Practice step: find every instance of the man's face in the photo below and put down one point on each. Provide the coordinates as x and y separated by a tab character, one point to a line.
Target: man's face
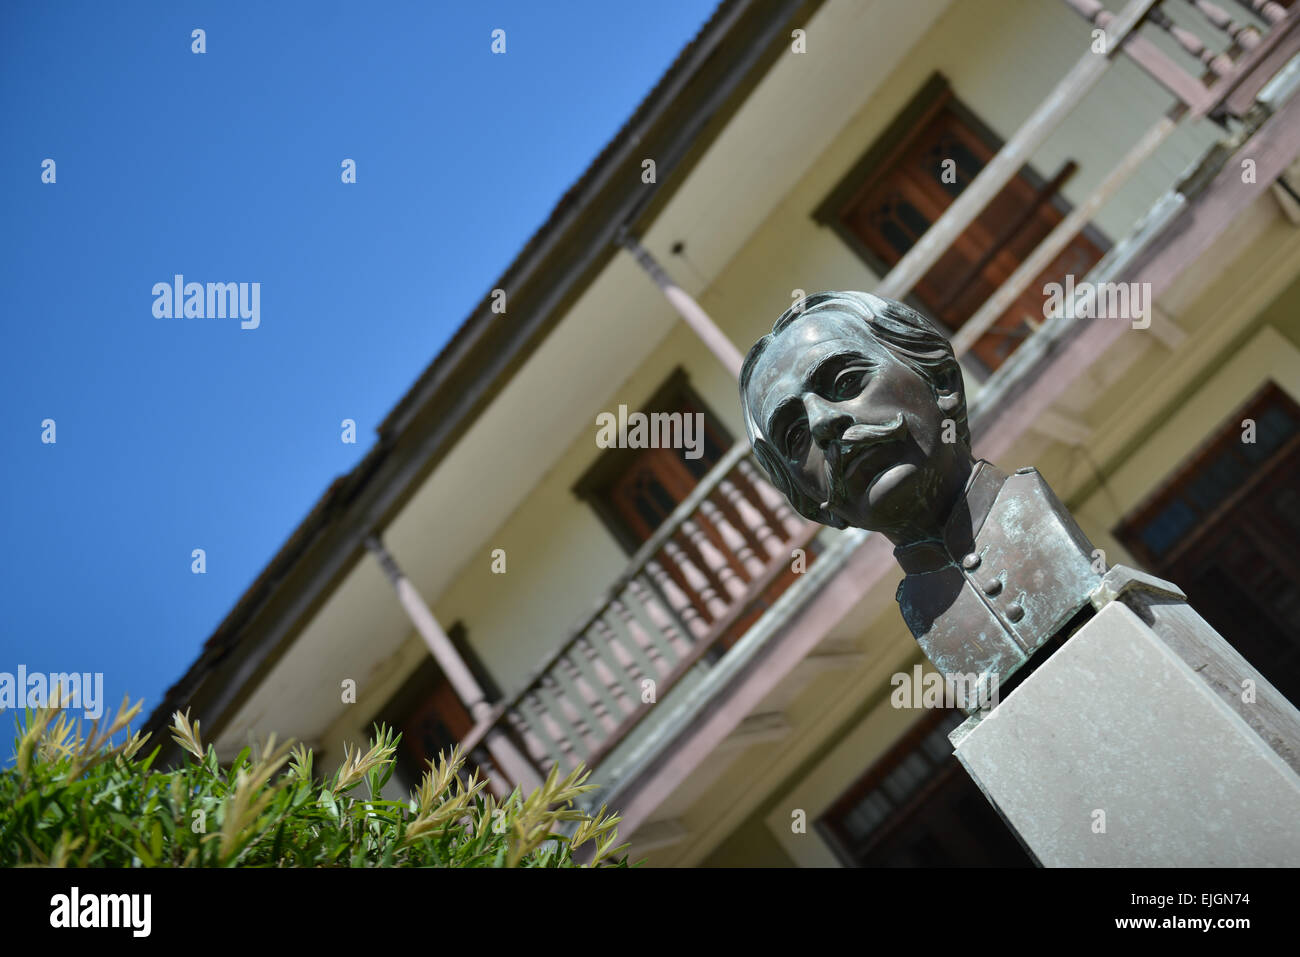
855	426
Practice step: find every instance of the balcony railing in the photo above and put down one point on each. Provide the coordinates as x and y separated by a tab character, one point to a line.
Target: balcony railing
683	595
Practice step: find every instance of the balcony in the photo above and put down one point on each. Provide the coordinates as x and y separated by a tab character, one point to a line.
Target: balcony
724	554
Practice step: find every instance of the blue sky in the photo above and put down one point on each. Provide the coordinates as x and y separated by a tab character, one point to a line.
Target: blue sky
224	166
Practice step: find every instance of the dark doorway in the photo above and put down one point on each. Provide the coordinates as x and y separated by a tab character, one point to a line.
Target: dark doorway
1223	528
917	807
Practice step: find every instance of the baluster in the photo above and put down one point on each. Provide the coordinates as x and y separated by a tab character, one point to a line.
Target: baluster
621	637
638	636
515	734
546	724
678	600
723	500
752	518
737	543
480	761
1216	63
1264	9
517	730
601	679
564	715
1091	10
618	659
534	720
541	748
1244	35
696	579
578	689
638	622
661	616
715	562
774	501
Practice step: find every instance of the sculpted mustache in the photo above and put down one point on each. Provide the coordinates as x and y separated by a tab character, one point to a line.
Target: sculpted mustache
856	435
866	434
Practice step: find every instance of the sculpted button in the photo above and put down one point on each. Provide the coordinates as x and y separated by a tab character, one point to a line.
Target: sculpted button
970	562
1015	612
992	586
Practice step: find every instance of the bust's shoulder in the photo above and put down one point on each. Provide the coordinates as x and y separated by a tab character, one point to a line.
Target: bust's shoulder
1025	480
1025	489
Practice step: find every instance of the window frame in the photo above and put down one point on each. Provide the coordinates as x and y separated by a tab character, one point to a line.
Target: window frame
610	464
1128	531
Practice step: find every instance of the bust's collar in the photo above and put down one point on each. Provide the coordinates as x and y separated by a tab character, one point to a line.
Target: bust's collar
963	524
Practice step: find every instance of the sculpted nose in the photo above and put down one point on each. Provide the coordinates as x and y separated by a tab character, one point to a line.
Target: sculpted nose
825	422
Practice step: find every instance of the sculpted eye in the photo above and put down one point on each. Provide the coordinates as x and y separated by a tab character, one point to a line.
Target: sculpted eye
796	439
849	383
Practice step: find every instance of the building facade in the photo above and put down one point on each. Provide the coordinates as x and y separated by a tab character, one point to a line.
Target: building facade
1099	203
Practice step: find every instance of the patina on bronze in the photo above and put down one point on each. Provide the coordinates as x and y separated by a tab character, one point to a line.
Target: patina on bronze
855	408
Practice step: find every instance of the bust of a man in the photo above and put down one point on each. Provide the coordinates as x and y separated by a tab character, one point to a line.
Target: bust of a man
855	408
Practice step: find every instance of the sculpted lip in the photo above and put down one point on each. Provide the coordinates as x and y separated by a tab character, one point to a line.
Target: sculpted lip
876	452
861	444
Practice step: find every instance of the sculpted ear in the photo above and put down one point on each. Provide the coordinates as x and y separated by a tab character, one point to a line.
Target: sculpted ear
948	387
826	517
774	467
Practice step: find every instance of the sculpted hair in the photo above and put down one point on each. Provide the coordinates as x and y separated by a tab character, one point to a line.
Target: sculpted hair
911	338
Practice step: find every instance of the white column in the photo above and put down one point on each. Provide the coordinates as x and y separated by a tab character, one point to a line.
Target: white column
462	680
714	339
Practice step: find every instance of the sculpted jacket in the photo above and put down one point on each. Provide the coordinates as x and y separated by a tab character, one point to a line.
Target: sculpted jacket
1013	568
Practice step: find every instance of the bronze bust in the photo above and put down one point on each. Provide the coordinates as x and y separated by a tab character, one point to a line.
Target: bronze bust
855	408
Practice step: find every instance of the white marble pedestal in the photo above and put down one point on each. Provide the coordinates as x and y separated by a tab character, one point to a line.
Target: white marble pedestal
1146	740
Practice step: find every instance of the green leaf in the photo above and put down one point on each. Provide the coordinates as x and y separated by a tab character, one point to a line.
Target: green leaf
156	840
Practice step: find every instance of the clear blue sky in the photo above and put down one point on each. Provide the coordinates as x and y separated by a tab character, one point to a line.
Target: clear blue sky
181	434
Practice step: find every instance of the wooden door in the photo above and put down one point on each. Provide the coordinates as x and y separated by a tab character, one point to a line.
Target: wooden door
1242	576
654	485
1223	528
435	725
917	807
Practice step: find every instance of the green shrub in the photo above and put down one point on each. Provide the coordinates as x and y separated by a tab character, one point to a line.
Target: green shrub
69	800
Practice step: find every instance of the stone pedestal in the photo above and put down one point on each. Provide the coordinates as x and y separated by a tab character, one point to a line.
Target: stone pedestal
1146	740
